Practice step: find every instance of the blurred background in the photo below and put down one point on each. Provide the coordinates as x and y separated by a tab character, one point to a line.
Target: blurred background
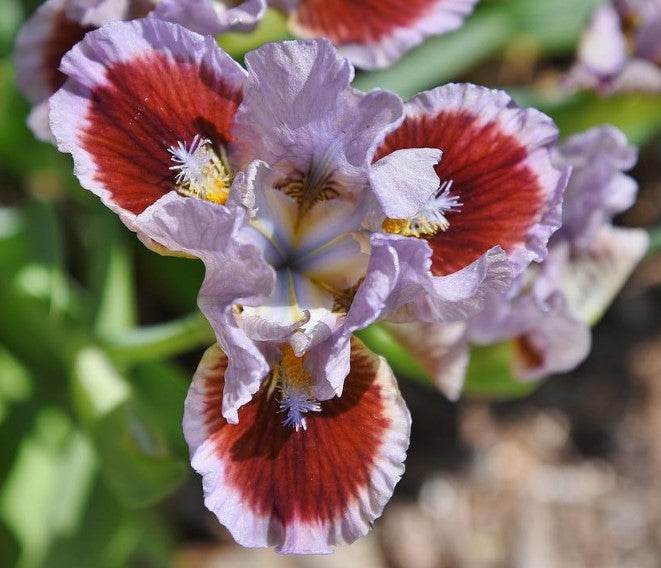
99	338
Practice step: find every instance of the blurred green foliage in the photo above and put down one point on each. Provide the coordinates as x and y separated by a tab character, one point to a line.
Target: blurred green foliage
90	399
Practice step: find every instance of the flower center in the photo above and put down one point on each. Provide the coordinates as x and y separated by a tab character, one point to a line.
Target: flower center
294	384
431	218
319	256
200	171
316	185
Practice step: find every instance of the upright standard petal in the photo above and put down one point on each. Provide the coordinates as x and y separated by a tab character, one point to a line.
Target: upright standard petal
375	33
134	140
300	113
301	116
304	489
620	49
498	185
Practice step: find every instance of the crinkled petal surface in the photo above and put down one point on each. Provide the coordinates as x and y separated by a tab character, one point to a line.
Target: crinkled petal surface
497	157
300	113
405	180
136	89
301	491
235	273
375	33
212	17
420	296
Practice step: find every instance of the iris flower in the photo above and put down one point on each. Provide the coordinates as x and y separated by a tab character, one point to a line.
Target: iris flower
317	210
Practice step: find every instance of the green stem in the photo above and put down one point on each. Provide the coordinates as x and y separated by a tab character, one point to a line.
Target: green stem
161	341
402	362
655	241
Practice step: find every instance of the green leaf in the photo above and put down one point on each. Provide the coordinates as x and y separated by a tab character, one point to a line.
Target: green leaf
111	274
179	290
15	381
489	374
161	341
135	459
97	387
9	548
540	27
46	276
160	390
553	25
20	153
110	536
13	241
43	343
655	241
12	16
134	426
117	308
48	485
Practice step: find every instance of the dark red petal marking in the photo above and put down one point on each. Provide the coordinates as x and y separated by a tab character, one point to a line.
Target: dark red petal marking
501	196
360	21
309	476
148	105
65	33
528	355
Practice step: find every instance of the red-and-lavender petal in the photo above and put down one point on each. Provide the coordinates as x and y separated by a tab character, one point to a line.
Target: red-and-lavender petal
135	91
496	156
374	33
42	41
305	490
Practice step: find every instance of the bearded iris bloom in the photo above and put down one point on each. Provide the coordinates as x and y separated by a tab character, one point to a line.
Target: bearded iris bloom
314	216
